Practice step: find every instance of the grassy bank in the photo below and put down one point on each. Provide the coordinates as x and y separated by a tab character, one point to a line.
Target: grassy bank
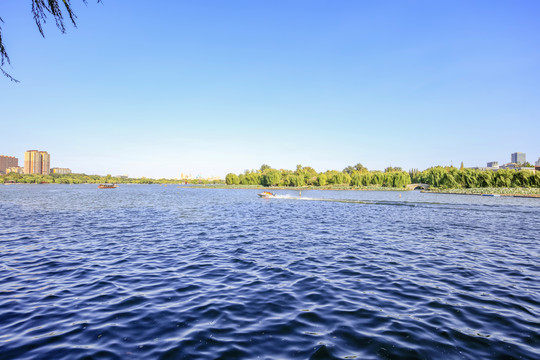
503	191
510	191
298	188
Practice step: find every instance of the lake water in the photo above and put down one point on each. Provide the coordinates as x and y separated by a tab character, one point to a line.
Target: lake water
149	271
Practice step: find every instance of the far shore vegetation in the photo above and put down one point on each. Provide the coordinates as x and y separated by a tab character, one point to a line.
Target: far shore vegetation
440	179
514	191
91	179
391	178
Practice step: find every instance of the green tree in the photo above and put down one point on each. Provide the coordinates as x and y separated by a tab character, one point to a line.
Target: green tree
346	179
434	176
360	167
535	179
522	178
296	180
356	179
485	179
449	181
390	169
321	179
232	179
413	173
272	177
253	178
351	169
503	178
377	178
469	178
310	175
337	178
401	179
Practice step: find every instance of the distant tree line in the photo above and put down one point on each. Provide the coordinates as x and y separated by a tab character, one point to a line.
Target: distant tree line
392	177
352	176
452	178
355	176
90	179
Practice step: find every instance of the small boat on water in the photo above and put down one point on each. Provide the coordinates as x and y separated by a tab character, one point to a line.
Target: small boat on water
107	186
267	195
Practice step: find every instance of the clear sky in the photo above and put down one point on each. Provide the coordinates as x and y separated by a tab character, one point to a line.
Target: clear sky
160	88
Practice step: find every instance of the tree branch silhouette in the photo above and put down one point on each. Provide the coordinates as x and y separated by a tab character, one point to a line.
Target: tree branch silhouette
40	10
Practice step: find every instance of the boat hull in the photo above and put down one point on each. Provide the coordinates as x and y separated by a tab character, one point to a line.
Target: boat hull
107	186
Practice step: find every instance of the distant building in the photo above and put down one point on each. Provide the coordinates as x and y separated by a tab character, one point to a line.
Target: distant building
15	169
513	166
517	158
493	165
537	164
32	162
7	162
60	171
484	168
37	162
509	166
45	162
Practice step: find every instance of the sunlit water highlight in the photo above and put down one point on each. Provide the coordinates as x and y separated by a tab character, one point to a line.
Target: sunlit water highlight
174	272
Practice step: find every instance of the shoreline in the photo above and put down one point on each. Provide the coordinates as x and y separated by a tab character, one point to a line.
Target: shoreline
473	192
298	188
505	191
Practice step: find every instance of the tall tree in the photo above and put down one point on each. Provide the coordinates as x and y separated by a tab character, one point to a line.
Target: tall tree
40	10
360	167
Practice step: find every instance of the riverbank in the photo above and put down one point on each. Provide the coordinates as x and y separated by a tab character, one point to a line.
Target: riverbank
299	188
508	191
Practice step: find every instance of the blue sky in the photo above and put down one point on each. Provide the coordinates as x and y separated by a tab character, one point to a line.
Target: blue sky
160	88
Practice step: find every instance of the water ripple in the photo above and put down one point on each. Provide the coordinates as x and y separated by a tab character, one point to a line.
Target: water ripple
172	273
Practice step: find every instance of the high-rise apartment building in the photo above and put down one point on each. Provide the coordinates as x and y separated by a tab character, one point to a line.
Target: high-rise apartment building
32	162
7	162
37	162
45	162
517	158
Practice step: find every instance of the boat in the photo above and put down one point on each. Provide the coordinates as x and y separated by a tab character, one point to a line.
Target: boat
267	195
107	186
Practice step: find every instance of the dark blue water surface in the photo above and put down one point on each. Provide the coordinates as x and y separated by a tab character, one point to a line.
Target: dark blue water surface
149	271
